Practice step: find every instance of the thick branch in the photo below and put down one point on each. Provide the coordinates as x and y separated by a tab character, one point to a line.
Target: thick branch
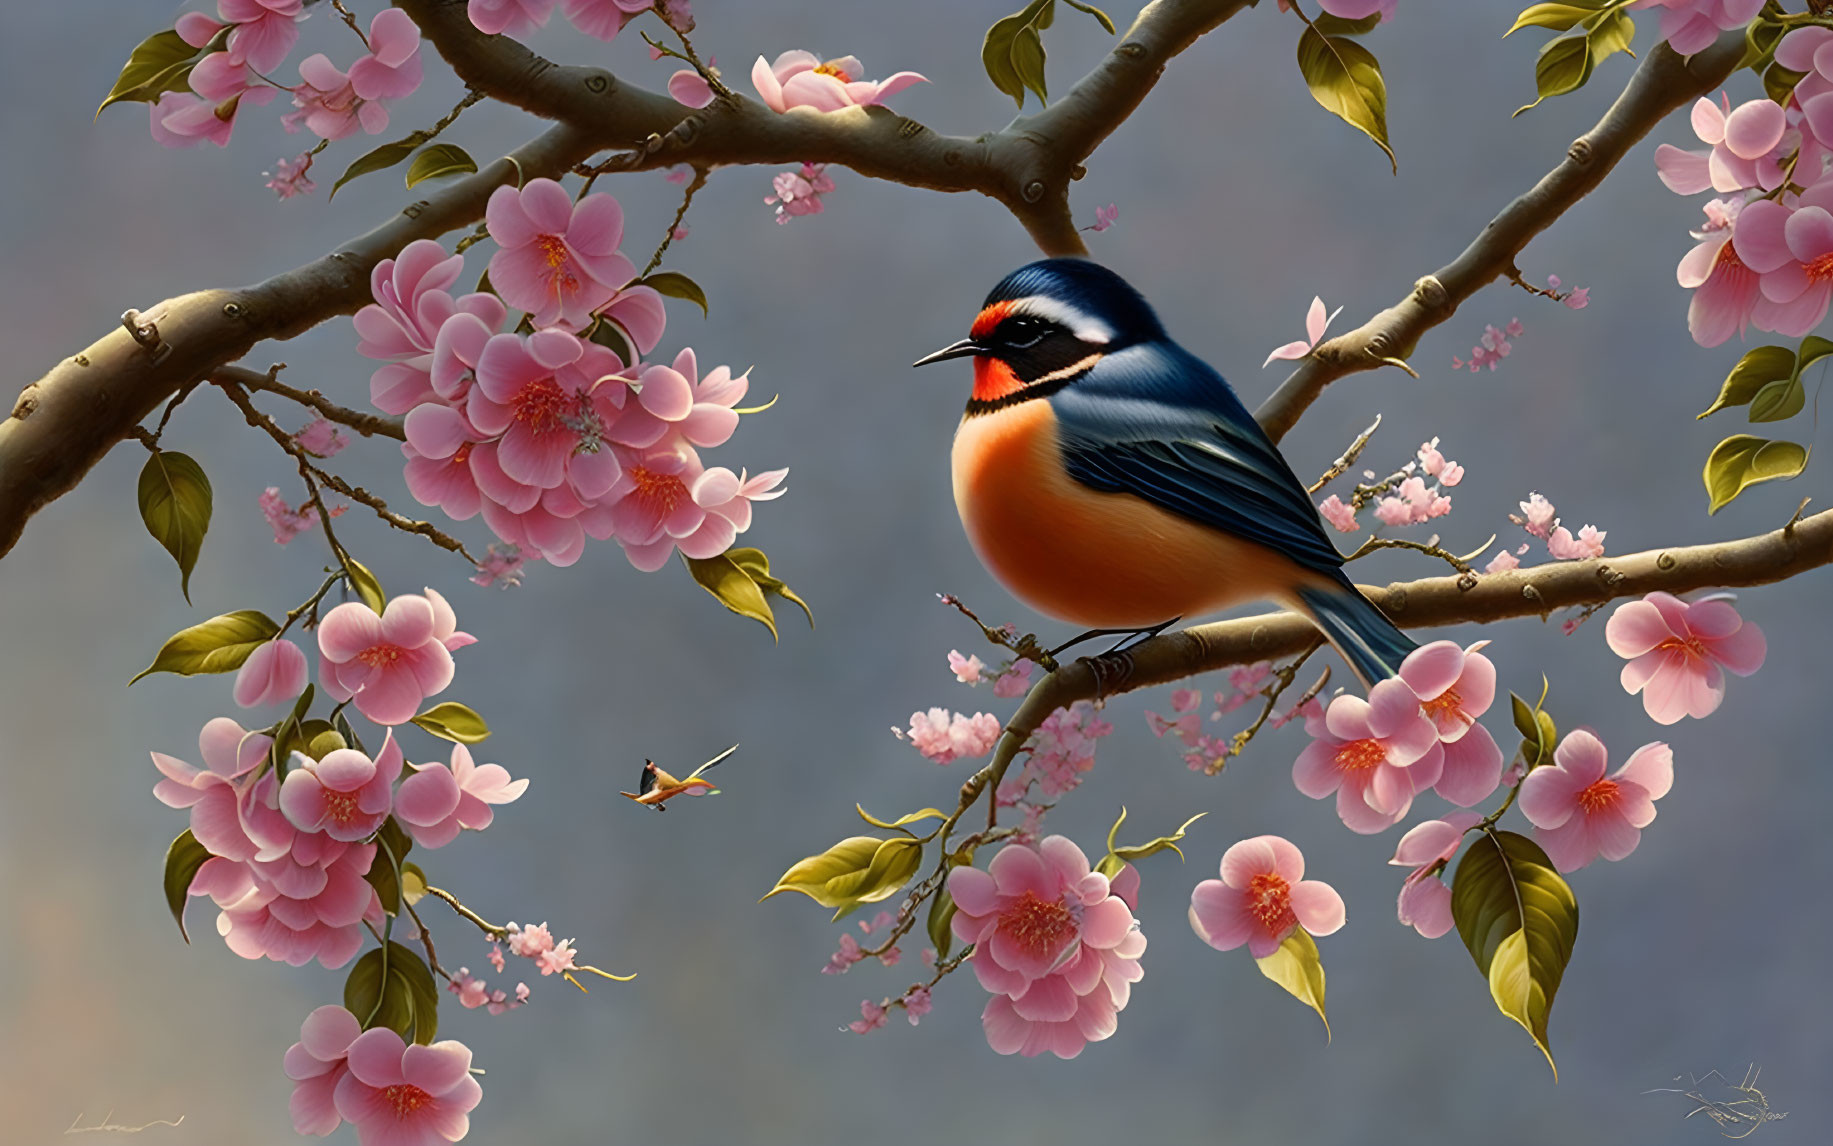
1536	591
1663	82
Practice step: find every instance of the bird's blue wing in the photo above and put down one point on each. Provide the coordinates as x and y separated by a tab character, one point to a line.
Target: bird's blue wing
1158	423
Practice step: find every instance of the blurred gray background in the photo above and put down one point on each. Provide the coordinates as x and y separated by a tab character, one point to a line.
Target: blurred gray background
1239	199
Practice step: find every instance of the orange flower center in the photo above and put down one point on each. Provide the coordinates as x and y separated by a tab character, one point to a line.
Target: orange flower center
380	656
404	1098
1040	927
658	492
552	248
1447	703
340	806
543	406
832	68
1820	267
461	454
1598	796
1269	900
1359	756
1690	647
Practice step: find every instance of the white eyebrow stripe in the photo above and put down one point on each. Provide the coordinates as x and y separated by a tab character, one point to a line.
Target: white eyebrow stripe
1083	325
1070	371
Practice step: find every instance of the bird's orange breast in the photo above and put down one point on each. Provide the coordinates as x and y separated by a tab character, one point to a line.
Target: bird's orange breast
1100	560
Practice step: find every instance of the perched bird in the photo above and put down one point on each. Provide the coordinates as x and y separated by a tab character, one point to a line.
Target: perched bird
657	787
1111	479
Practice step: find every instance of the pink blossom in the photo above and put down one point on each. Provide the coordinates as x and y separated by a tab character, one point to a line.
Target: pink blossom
316	1065
665	500
1588	543
1677	652
287	522
1303	710
1425	901
1455	686
1358	9
321	438
397	1095
967	670
496	957
509	17
1726	291
1536	516
180	119
197	29
264	30
313	907
799	192
1742	148
604	19
872	1018
1062	750
1412	503
1105	217
403	326
389	664
801	79
333	104
1056	948
944	739
530	942
677	14
848	954
346	795
437	800
1338	514
1375	754
502	567
1502	562
1262	898
289	176
674	404
917	1004
274	672
1316	323
542	395
217	793
558	959
689	89
1577	299
1791	250
1014	681
1579	814
1690	26
558	260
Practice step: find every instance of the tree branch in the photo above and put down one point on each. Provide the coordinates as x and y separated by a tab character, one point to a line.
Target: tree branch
364	424
1663	82
1761	560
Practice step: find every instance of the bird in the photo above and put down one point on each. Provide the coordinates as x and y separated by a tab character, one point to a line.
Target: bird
1109	478
656	787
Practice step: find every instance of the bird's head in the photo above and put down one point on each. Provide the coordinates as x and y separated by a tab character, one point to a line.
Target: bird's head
1046	325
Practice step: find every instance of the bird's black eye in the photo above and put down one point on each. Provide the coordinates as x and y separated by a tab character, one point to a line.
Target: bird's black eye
1023	332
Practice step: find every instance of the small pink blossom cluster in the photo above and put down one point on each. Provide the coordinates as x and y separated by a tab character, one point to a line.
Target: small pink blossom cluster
536	942
799	192
501	566
1412	503
945	738
1059	754
321	438
290	178
1540	519
391	1092
287	522
1415	731
1762	251
602	19
551	436
1012	679
1262	898
261	33
474	993
1202	752
1105	217
333	103
1690	26
1054	945
1492	348
850	952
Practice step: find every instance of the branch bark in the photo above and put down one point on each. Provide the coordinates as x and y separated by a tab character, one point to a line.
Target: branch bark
1663	82
1761	560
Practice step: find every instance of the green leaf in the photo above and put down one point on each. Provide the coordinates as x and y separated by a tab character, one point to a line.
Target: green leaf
941	915
1610	35
318	739
1564	66
175	504
1098	14
1297	967
182	860
394	845
1331	25
1539	735
912	818
160	63
1760	366
1345	79
757	567
1028	61
732	587
610	335
413	883
999	52
1779	83
391	987
454	721
440	160
674	284
220	644
1778	400
1153	847
1519	920
1760	39
364	584
857	870
380	159
1742	461
1559	17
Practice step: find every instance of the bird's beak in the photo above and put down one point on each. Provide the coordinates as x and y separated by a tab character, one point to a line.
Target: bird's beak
963	349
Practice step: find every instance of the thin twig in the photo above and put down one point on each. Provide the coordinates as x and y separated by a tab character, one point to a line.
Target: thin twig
668	236
365	424
1341	466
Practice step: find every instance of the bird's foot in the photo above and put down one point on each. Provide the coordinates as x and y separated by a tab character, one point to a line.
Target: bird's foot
1111	671
1128	637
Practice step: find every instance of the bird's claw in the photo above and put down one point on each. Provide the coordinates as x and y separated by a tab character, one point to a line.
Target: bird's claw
1111	670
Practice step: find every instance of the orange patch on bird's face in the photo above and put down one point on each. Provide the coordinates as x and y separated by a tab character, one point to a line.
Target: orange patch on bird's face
987	320
994	380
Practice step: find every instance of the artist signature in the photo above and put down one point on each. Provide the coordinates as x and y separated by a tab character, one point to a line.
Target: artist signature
1743	1113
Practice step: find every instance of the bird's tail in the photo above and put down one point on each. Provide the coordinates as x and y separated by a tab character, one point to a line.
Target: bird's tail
1370	642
